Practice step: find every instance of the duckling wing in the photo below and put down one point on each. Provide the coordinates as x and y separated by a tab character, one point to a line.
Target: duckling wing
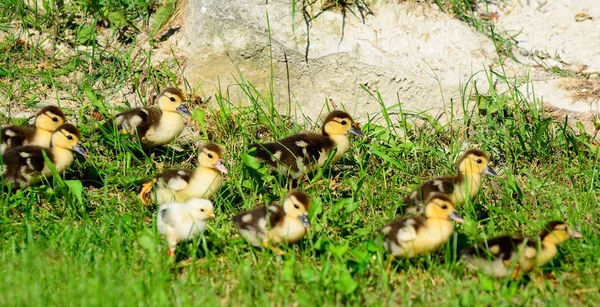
260	218
15	136
404	230
23	162
176	180
503	248
296	151
138	121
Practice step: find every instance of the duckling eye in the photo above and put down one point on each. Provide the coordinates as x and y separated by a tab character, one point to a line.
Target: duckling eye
343	123
54	119
202	210
444	207
210	156
296	206
172	99
69	137
479	161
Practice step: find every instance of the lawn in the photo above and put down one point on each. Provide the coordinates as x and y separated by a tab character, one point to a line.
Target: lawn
86	239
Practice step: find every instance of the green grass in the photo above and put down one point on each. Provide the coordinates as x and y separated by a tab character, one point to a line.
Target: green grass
103	249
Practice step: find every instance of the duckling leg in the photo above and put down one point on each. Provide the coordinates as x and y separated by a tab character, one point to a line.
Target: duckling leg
516	273
144	197
171	252
389	266
276	250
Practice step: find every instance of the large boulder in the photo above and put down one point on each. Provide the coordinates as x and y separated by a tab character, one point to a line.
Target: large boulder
415	55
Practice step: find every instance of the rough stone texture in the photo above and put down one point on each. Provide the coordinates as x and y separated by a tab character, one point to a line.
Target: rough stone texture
558	34
411	53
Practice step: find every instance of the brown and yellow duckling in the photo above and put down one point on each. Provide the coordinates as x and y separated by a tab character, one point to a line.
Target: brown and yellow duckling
411	236
40	134
471	166
269	226
499	256
156	126
181	185
23	165
303	153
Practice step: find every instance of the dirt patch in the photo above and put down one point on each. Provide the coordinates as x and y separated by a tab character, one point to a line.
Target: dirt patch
587	90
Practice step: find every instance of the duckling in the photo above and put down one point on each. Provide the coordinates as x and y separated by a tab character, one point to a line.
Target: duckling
46	121
498	255
304	152
273	225
23	165
156	126
411	236
181	185
180	222
466	183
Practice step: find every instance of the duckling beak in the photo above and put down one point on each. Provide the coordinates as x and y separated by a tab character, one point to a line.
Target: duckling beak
210	214
490	171
183	109
80	150
355	130
304	220
456	217
576	235
220	167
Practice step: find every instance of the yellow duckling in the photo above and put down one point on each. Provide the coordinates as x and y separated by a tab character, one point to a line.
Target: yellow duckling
180	222
156	126
181	185
23	165
272	225
411	236
304	152
471	165
46	121
498	255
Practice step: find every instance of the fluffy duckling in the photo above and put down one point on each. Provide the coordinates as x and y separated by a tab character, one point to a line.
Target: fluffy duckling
181	185
180	222
471	165
496	256
46	121
22	165
304	152
411	236
272	225
156	126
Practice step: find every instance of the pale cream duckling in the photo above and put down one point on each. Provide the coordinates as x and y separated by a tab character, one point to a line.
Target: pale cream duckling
46	121
180	222
305	152
268	226
466	184
23	165
156	126
499	256
411	236
181	185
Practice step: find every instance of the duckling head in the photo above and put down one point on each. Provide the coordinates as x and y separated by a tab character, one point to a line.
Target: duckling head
172	100
340	123
200	209
296	205
67	136
440	206
557	232
475	161
211	156
49	118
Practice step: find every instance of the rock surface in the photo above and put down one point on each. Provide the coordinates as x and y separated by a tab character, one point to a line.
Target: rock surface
411	53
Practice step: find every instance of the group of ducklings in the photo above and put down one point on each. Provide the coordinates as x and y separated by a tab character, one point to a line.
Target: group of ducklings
183	195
